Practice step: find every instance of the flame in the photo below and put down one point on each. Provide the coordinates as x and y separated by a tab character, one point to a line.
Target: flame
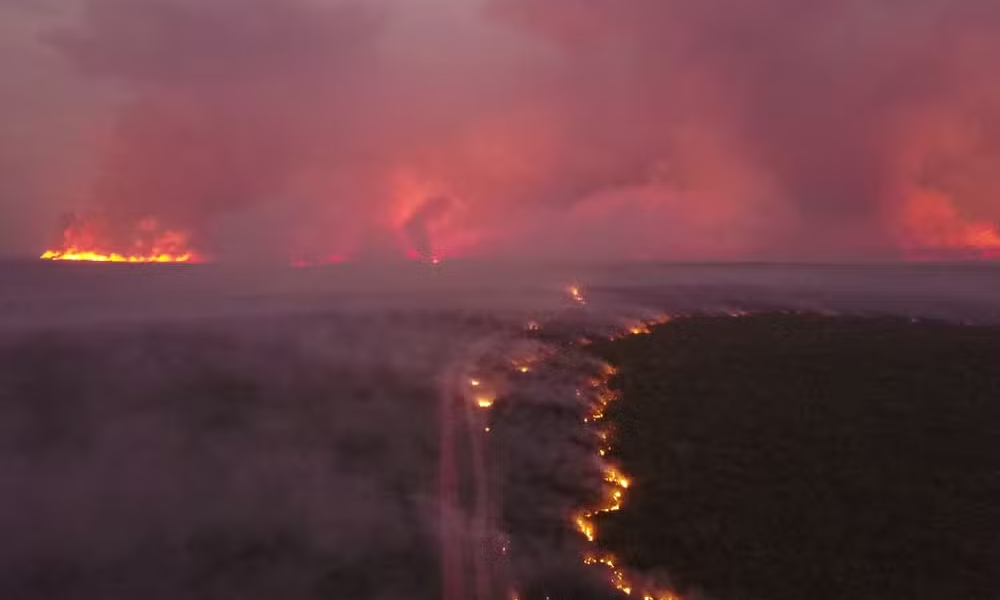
576	294
524	364
90	240
598	391
639	329
615	477
585	525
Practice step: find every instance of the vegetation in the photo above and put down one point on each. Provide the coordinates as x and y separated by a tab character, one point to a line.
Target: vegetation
790	457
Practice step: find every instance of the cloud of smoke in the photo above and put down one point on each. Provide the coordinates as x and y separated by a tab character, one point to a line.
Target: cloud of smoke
846	110
569	128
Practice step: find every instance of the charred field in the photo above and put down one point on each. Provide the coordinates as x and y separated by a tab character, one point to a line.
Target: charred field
781	457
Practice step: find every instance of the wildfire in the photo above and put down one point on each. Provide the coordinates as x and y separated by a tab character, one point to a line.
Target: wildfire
93	240
934	226
639	329
576	294
481	394
613	497
615	477
524	364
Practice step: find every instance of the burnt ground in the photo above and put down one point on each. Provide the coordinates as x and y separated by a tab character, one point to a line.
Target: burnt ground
790	457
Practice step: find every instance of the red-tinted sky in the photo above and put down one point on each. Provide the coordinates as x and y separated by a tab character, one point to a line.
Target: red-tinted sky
718	129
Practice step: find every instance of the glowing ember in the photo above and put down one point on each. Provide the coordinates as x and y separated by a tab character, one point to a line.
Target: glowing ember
485	401
577	295
524	365
92	240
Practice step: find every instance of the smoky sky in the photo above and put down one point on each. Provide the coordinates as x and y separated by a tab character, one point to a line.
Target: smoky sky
563	128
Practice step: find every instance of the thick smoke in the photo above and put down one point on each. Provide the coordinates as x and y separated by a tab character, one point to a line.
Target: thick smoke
849	114
646	129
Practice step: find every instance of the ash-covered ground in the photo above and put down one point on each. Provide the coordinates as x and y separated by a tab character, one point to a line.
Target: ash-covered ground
203	433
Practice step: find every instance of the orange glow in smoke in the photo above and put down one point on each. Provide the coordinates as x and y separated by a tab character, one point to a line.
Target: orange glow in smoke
576	294
933	226
428	218
87	240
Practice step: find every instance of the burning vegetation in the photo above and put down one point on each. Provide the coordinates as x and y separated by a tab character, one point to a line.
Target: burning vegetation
600	395
767	446
597	393
95	239
502	128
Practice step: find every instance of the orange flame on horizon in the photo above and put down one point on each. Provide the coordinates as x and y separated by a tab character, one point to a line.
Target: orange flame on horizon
89	240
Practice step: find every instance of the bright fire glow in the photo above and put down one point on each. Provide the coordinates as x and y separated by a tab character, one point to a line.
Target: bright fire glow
524	364
87	240
639	329
934	226
576	294
74	254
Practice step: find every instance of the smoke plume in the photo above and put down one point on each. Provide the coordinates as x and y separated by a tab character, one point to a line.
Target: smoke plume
565	128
